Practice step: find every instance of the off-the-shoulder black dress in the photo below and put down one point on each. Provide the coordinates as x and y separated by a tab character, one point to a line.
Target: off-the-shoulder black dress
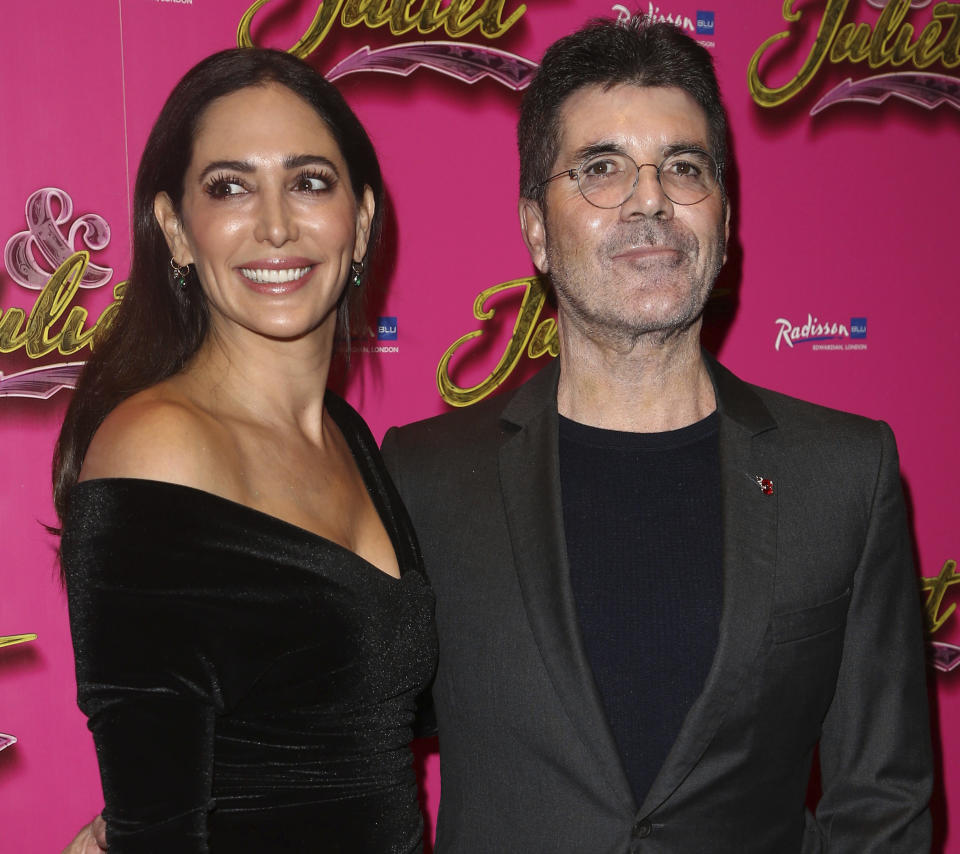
250	685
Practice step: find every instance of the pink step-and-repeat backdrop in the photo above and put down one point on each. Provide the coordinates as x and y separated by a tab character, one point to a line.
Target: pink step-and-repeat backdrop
841	286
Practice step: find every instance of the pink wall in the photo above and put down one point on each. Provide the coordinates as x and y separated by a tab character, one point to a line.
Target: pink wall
848	213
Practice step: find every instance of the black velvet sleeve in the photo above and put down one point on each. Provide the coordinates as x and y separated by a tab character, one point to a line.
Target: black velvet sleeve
145	676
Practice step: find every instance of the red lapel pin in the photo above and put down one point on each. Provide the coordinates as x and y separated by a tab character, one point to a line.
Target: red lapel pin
765	484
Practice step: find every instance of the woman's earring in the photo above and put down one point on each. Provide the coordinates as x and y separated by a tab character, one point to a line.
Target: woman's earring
180	273
357	267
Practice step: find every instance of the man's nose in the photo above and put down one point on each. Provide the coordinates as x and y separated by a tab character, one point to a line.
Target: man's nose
648	198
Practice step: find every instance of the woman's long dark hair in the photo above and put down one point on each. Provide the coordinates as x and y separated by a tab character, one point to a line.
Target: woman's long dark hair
159	325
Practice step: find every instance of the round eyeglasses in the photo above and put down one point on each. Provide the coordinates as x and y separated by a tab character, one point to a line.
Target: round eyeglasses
607	180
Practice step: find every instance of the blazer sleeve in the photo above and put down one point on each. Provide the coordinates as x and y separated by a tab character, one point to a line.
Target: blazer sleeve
142	678
425	722
875	751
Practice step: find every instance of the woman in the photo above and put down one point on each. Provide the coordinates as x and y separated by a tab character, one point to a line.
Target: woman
250	619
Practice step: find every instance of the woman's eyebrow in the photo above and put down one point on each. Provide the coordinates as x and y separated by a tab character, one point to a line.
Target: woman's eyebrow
245	167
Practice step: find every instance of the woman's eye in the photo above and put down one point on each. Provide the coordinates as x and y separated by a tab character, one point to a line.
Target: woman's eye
220	188
313	183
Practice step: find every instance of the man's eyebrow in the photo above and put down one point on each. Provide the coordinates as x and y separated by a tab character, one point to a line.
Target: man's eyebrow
291	161
592	150
685	145
610	147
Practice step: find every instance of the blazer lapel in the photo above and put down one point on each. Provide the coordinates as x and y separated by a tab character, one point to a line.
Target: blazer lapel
749	563
530	486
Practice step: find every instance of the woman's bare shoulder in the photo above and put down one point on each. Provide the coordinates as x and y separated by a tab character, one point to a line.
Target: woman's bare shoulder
158	434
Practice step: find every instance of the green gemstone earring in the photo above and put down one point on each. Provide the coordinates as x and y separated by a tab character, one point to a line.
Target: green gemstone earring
180	274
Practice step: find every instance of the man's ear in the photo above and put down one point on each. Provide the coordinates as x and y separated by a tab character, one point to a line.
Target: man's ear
172	228
534	232
726	231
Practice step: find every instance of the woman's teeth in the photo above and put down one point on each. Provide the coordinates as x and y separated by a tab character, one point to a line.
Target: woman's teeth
274	277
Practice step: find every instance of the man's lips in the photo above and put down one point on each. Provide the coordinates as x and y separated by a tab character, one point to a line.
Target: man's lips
647	253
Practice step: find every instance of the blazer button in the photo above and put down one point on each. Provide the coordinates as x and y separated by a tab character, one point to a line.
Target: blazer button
642	829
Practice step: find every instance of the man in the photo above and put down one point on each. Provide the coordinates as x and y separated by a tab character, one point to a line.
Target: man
660	588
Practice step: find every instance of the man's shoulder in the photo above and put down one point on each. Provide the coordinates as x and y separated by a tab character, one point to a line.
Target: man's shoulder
485	420
456	424
466	442
809	439
793	414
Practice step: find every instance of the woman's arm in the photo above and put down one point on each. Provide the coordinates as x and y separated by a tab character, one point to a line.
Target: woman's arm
145	677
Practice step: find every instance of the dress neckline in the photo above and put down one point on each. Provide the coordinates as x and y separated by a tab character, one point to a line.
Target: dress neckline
340	411
239	507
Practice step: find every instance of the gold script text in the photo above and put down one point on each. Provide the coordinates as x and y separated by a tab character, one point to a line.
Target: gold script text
537	339
458	17
34	332
890	42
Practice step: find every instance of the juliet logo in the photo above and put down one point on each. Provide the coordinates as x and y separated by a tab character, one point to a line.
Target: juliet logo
821	334
51	260
898	38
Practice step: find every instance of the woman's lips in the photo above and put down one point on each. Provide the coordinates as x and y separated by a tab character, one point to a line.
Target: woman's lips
279	276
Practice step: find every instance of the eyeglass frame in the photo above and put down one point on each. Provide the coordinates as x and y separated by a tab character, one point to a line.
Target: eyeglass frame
574	175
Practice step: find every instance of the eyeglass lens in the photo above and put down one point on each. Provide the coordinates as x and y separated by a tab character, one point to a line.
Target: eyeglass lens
608	180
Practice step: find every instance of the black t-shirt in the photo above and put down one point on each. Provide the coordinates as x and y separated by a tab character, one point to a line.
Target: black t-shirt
643	528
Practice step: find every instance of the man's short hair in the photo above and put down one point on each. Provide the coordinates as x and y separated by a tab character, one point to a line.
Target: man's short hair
606	53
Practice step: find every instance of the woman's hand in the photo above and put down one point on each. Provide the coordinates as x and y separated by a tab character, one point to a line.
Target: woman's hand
92	839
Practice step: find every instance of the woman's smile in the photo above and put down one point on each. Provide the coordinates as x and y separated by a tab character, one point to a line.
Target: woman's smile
278	276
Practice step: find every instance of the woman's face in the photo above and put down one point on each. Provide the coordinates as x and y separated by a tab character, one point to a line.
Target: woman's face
268	215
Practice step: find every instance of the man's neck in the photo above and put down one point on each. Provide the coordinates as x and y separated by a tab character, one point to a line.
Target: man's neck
653	388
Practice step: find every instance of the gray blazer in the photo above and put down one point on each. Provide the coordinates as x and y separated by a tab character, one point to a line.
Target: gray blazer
820	642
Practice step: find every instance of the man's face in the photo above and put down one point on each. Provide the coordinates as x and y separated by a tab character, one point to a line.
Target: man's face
647	266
